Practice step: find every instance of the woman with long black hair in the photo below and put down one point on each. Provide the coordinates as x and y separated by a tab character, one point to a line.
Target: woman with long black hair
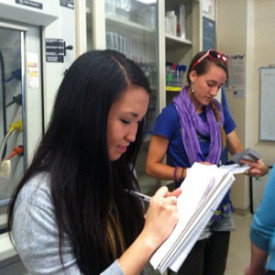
70	213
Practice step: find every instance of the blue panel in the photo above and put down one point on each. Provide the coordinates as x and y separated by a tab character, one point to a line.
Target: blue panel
208	34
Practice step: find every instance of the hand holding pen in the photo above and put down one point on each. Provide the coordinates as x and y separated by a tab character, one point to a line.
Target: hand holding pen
138	195
147	198
161	216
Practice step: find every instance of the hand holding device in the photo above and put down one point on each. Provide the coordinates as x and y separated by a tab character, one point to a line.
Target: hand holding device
247	154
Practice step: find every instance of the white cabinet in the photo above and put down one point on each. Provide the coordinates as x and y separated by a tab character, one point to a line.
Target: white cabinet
138	30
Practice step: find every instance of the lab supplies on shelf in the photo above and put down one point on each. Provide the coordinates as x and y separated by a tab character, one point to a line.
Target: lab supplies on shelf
175	74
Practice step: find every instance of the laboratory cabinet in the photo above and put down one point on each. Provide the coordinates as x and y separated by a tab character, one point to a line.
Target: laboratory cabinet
140	30
28	83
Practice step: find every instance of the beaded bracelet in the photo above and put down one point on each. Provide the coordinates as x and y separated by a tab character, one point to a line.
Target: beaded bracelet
182	173
175	173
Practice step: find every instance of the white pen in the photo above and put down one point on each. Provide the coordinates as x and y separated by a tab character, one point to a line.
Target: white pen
138	194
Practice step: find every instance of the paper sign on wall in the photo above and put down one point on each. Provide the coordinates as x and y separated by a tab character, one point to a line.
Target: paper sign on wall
32	70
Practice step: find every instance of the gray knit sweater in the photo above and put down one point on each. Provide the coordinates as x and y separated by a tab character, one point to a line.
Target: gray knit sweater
35	233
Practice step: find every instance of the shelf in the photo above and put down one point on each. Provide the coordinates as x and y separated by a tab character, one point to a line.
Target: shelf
118	24
172	89
172	39
126	24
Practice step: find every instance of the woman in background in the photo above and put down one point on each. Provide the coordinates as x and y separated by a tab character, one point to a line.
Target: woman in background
195	128
70	213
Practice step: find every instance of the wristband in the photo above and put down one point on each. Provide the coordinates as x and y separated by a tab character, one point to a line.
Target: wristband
175	173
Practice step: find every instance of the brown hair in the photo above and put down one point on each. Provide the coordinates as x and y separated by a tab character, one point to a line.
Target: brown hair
218	119
202	67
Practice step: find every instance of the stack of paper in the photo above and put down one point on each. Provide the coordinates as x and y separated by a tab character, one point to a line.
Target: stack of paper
202	191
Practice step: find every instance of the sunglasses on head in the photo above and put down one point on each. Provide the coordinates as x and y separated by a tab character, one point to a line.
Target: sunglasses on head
212	55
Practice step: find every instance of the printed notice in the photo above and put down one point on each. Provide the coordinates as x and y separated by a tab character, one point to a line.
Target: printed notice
236	69
55	50
67	3
32	4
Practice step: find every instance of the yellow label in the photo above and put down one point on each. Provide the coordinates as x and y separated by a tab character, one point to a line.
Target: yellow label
173	89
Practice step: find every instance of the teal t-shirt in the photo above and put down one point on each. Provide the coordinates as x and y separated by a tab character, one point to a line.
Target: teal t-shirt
262	231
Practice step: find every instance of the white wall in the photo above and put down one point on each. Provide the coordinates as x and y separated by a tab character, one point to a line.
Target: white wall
247	27
232	39
264	55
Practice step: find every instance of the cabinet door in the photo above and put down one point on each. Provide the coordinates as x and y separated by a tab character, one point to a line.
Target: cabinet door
20	98
182	46
12	113
130	27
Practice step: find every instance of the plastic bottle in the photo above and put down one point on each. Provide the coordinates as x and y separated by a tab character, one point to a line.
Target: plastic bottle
180	12
110	7
169	74
174	74
172	22
182	72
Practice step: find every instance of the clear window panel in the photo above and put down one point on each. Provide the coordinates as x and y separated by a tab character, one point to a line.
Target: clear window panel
11	116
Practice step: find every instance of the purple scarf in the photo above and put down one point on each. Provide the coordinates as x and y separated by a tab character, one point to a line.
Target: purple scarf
191	124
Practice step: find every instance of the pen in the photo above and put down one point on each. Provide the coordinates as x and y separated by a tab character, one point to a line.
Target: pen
138	194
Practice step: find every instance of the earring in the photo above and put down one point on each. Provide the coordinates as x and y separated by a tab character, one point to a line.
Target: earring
192	88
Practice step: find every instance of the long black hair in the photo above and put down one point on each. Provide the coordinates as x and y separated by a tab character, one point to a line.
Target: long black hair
87	188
